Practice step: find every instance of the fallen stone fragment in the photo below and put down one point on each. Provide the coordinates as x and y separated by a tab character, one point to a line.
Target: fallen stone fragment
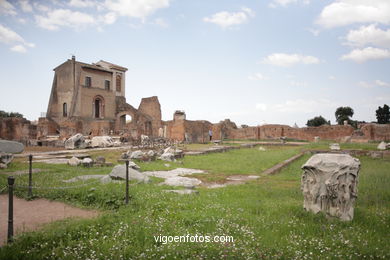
329	184
7	146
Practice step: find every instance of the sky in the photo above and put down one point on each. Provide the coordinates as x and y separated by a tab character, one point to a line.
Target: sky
252	61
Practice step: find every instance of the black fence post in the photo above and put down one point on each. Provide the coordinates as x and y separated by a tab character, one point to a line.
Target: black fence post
30	157
127	182
11	181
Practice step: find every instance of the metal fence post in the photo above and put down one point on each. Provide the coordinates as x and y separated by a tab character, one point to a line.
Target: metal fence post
11	181
30	157
127	182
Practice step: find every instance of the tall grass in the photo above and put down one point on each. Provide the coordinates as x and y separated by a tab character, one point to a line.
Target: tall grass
265	217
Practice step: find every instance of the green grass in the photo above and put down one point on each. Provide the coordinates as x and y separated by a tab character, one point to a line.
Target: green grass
265	217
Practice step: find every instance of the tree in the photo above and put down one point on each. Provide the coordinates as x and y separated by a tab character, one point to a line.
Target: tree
342	114
317	121
4	114
383	114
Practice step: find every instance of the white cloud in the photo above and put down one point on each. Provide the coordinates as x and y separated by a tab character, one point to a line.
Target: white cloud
161	22
109	18
365	84
257	76
8	36
314	31
135	8
226	19
19	48
345	12
285	3
382	83
7	8
303	106
64	17
298	83
82	3
261	106
25	6
368	53
41	8
287	60
331	77
369	35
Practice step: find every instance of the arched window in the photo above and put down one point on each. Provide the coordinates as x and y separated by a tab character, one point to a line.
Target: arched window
64	110
118	82
98	107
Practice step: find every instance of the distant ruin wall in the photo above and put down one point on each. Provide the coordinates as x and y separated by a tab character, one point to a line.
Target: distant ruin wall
18	129
325	132
197	131
376	132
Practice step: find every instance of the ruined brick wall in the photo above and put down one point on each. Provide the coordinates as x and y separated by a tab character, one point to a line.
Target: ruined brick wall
18	129
376	132
47	127
151	106
325	132
243	133
197	131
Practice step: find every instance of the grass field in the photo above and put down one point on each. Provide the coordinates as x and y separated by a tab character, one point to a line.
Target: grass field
265	217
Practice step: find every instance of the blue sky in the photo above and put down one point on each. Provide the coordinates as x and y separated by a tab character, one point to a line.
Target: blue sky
255	62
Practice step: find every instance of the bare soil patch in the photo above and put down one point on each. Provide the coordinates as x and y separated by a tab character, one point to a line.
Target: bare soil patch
32	215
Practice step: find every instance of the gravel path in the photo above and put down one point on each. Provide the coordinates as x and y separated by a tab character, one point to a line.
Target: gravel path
31	215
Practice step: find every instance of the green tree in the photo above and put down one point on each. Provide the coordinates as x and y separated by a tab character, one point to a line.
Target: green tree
317	121
383	114
4	114
342	114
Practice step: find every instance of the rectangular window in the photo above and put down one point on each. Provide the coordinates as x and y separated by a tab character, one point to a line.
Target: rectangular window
88	81
107	85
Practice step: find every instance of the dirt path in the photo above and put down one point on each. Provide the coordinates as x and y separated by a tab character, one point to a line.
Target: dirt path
31	215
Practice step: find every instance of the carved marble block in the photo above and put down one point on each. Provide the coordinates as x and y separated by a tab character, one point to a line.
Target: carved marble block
329	184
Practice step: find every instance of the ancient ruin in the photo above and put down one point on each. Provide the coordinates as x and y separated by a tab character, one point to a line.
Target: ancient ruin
90	99
329	184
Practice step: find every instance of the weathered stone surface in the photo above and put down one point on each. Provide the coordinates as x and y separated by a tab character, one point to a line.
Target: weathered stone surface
169	157
87	162
184	192
334	147
261	148
100	160
137	155
151	154
173	173
3	166
11	146
346	139
329	184
382	146
134	165
376	154
74	161
76	141
102	141
182	181
119	173
6	158
316	139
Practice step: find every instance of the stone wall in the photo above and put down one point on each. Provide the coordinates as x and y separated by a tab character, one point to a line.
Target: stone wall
197	131
18	129
325	132
376	132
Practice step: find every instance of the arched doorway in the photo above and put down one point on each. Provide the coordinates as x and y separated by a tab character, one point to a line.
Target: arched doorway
148	128
98	107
